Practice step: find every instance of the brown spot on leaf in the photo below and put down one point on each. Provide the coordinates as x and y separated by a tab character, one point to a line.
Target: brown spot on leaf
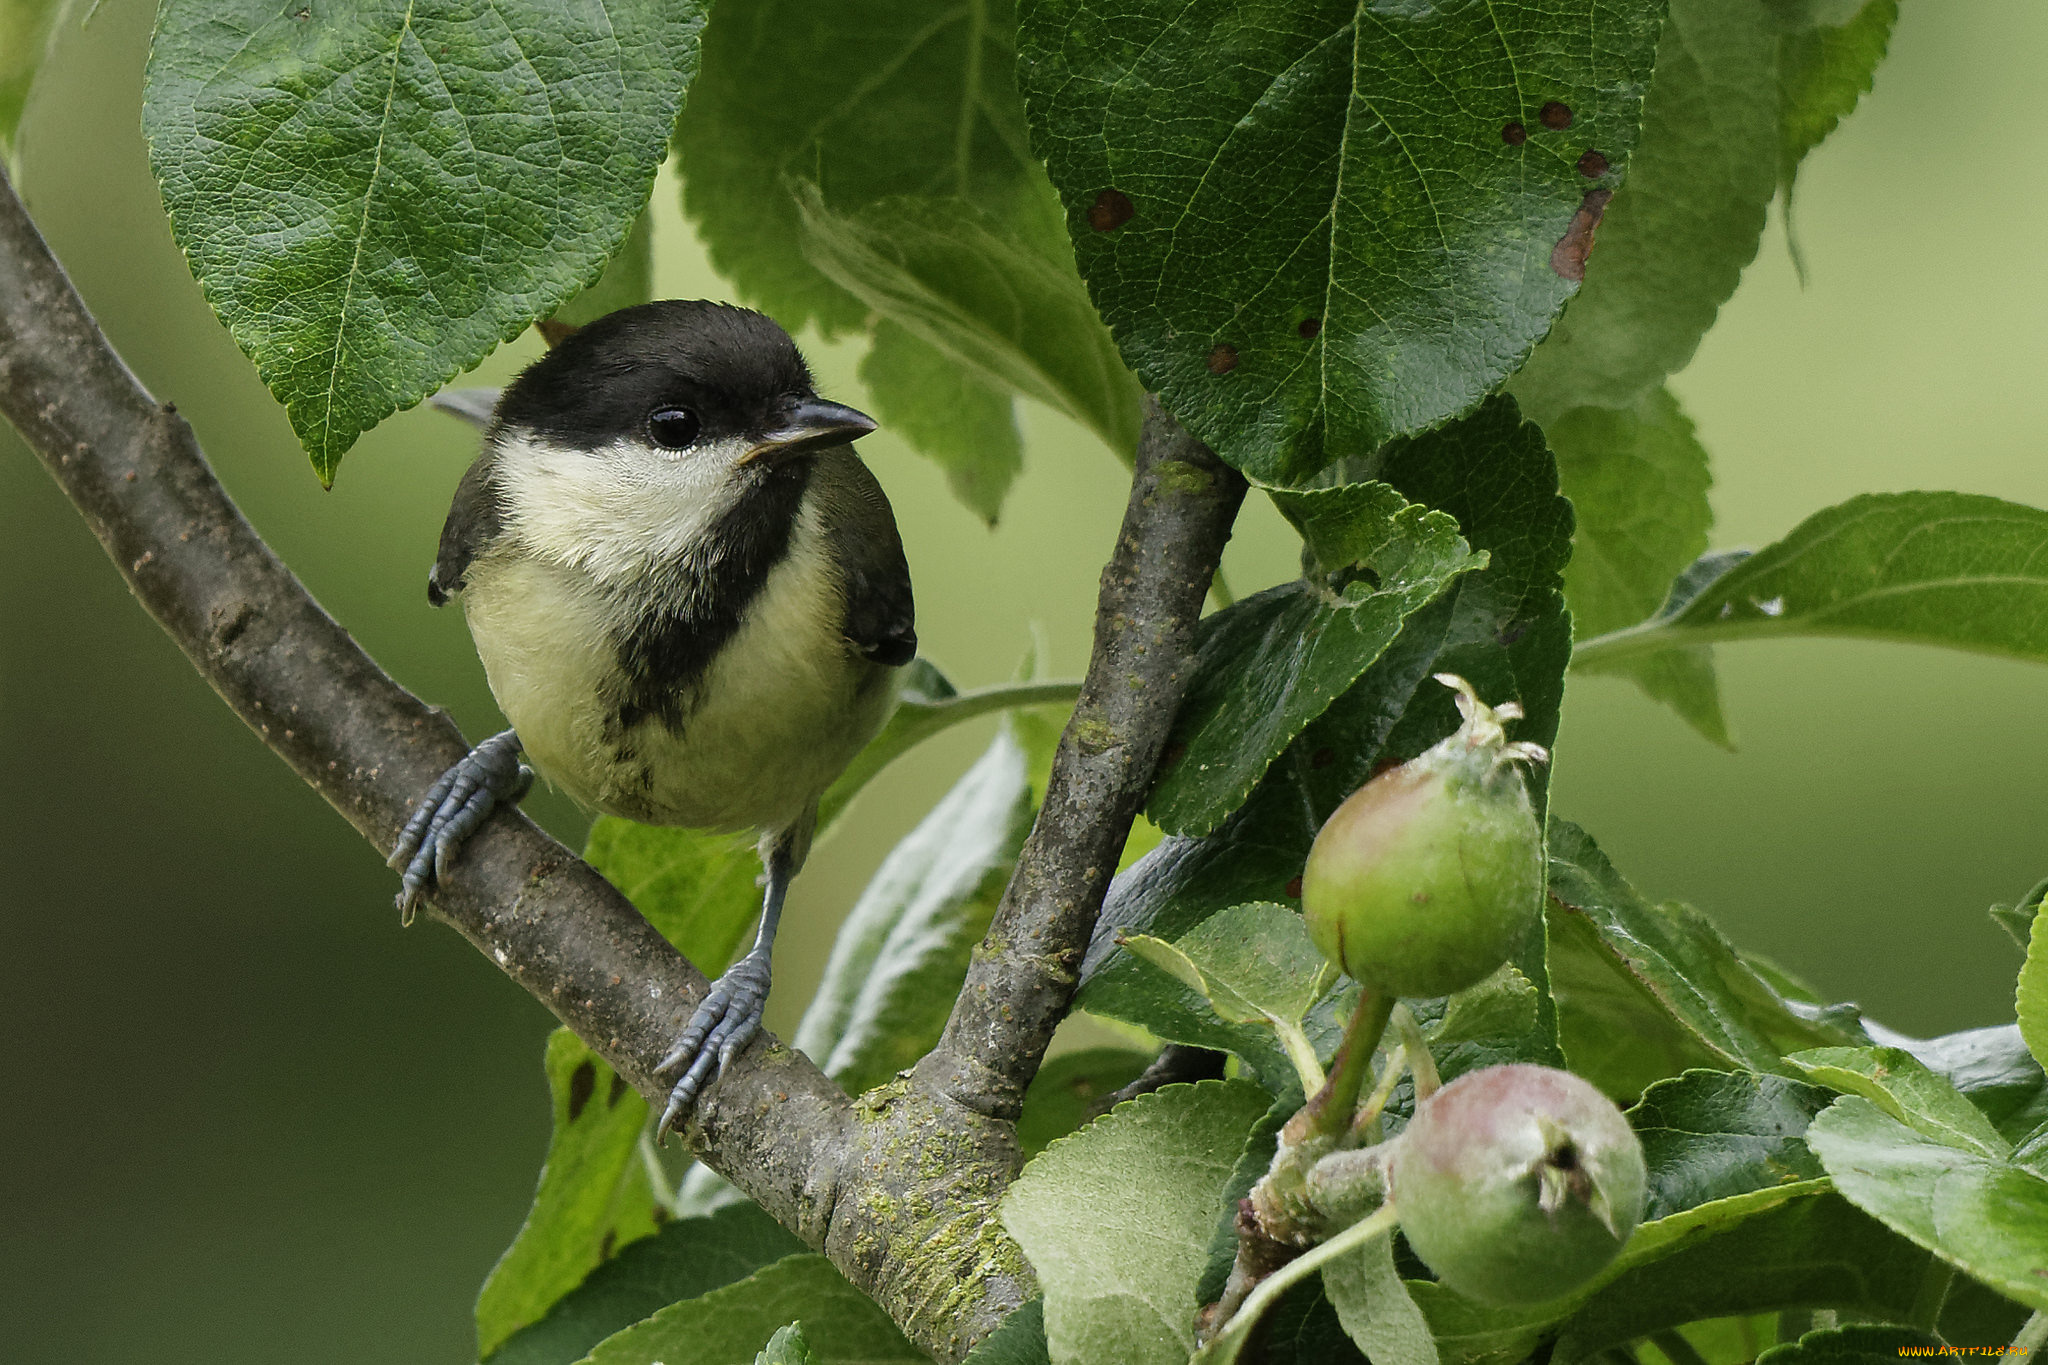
1111	210
618	1091
1175	752
1223	359
1514	134
1568	257
604	1248
1310	328
1322	758
1294	889
660	1214
1592	165
1384	765
582	1085
1555	114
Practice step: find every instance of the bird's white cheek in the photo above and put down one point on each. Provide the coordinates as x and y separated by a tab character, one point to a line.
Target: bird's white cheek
614	512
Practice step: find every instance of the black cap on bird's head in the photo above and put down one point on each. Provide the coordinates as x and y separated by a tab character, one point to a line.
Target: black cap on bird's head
675	374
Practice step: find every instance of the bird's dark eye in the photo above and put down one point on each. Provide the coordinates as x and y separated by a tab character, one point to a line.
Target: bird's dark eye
673	428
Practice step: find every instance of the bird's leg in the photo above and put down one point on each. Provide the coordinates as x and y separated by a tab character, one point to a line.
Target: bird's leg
451	811
730	1015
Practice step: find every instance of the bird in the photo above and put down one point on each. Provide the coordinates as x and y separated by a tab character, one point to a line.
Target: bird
689	595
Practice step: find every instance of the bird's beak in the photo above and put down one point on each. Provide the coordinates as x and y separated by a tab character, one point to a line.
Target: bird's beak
808	425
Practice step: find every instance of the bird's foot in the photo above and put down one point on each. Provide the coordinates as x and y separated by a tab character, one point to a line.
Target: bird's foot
451	811
726	1022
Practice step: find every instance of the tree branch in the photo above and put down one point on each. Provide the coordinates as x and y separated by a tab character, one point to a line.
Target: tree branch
1183	503
900	1187
776	1126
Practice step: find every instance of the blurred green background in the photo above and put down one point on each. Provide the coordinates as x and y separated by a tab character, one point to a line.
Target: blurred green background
247	1118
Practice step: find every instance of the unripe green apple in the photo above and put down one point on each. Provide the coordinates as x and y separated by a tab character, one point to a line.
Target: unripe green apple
1420	883
1517	1184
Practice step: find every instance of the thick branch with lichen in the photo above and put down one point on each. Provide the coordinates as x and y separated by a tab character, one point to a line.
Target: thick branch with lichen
899	1187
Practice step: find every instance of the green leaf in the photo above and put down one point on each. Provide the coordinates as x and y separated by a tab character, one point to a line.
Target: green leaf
847	162
628	279
1303	222
686	1258
1644	990
1638	481
1268	665
967	427
787	1347
1896	1082
1860	1343
1375	1308
28	31
2018	920
902	951
1991	1068
374	196
594	1194
1708	1135
1019	1341
1977	1211
726	1327
995	292
1120	1281
2031	997
1672	245
697	888
1823	70
927	704
1951	569
1503	1005
1503	627
1063	1095
1251	962
1790	1247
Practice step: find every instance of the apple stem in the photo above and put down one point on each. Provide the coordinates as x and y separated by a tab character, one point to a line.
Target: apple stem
1328	1115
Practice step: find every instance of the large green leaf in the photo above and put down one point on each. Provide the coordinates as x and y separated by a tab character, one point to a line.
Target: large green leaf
1975	1210
1823	70
1150	1175
1503	627
994	290
1673	243
2030	999
787	1347
1268	665
1064	1094
1315	226
373	196
1989	1067
902	951
1375	1307
594	1197
27	33
1019	1341
1708	1135
841	1325
628	279
700	890
1898	1083
956	419
855	160
1647	990
1955	569
1794	1246
1861	1343
684	1259
1637	477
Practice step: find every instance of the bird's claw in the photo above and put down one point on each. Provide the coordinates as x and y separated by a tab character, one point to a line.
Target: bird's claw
724	1023
452	810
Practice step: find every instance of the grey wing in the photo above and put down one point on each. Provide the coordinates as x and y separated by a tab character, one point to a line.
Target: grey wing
880	616
472	523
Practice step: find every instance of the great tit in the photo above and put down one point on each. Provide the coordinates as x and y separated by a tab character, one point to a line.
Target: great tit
688	594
